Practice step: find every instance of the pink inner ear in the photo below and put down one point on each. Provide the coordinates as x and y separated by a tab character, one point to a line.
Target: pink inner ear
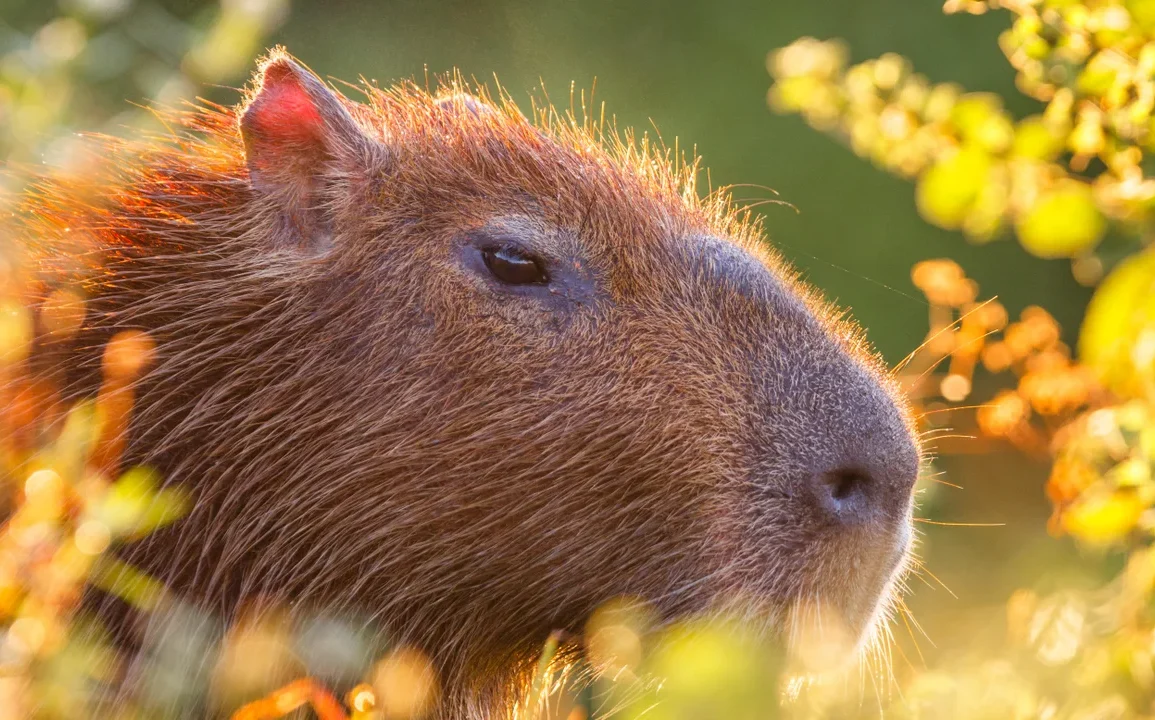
281	120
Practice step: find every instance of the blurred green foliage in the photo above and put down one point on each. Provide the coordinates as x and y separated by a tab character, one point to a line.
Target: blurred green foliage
74	71
66	501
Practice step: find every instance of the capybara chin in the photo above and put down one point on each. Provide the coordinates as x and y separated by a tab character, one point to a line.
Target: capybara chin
474	375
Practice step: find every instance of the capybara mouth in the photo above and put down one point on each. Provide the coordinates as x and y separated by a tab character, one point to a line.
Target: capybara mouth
849	622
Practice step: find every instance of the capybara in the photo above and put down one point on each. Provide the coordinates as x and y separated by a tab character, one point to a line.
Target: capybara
472	374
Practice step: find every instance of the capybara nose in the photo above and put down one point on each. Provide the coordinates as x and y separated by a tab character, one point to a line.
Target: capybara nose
847	494
857	493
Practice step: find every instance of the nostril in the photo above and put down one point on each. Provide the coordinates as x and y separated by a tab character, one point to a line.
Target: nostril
847	491
845	483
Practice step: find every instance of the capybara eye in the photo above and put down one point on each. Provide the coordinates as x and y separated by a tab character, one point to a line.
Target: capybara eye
513	266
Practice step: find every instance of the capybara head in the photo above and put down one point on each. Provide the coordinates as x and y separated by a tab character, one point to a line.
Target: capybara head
476	375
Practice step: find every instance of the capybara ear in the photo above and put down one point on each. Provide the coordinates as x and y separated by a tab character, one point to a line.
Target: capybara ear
295	129
292	122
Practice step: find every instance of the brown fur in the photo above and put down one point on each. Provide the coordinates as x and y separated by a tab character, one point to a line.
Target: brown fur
364	419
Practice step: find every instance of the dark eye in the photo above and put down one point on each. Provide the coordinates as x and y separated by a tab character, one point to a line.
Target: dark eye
513	266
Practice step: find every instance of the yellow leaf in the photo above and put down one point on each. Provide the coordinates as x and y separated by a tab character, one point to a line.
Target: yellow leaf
1064	221
1100	74
1035	140
1142	14
77	437
948	190
1103	519
167	506
128	583
1121	312
1131	473
981	121
135	506
126	500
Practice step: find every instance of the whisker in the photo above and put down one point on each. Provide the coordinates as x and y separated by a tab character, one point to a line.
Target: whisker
957	524
930	431
923	580
954	408
922	568
948	484
898	647
903	363
905	610
954	436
